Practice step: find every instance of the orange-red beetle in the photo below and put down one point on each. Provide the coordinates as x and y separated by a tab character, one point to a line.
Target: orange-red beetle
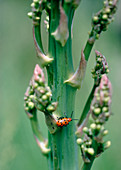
63	121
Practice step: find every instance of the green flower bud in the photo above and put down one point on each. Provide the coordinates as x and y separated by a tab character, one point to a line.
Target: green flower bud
31	91
26	109
105	2
110	3
35	1
93	126
105	109
106	94
97	110
107	10
40	81
32	4
41	89
50	108
79	141
48	94
106	66
97	36
35	85
31	96
95	18
90	151
106	99
105	17
105	132
107	144
44	97
107	114
98	127
85	130
99	60
31	105
30	14
37	18
97	65
107	70
82	146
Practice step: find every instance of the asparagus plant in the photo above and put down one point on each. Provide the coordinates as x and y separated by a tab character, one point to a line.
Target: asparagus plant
57	95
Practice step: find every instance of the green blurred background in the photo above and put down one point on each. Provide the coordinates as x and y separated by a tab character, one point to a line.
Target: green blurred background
18	149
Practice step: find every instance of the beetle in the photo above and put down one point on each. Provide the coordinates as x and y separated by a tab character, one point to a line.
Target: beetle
64	121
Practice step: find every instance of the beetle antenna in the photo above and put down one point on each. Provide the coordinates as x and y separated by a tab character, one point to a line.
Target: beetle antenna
75	119
72	114
65	114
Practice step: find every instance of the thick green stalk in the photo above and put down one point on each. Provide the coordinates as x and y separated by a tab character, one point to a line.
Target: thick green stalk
63	142
35	127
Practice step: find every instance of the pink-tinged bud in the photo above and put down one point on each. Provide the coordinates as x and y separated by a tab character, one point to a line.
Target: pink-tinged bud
27	92
38	72
102	100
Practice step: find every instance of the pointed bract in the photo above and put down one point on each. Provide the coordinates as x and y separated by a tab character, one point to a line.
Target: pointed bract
77	78
43	146
61	34
44	59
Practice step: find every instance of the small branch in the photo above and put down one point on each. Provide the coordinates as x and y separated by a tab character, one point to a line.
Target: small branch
45	60
87	50
100	22
100	68
86	107
41	141
92	143
37	34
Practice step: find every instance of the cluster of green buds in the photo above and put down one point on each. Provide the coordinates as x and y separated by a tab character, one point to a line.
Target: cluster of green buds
92	144
100	107
100	68
29	106
102	19
37	7
38	94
